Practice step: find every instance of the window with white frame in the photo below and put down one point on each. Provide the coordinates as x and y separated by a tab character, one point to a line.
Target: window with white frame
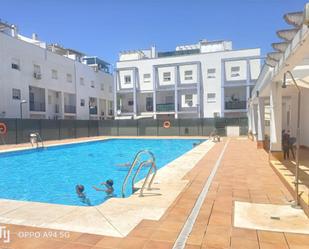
188	75
189	99
92	85
127	79
82	102
54	74
15	64
102	87
167	76
69	78
147	77
235	71
211	73
81	81
16	93
211	97
49	99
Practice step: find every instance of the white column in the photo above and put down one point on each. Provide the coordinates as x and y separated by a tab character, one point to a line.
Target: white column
275	116
116	82
134	93
154	82
222	88
177	79
249	118
261	117
254	117
62	105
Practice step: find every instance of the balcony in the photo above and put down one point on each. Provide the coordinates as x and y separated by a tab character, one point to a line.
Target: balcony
169	107
69	108
93	110
235	105
37	106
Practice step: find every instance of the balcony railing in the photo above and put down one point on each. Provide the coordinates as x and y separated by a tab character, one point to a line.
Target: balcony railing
69	108
165	107
37	106
234	105
93	110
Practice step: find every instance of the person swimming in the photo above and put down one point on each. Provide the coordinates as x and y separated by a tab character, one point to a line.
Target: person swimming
79	188
109	187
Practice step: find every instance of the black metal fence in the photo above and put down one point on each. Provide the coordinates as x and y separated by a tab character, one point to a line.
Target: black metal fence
18	130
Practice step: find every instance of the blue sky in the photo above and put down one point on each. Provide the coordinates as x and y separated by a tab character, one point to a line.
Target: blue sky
103	28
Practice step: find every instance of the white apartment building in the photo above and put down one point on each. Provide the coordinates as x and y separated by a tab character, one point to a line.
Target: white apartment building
44	81
207	79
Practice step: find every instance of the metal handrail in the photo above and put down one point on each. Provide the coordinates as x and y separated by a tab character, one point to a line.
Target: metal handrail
135	161
152	169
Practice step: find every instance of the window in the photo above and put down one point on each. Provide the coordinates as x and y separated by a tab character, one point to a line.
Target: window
49	99
189	99
69	78
188	75
82	102
211	73
146	77
16	93
110	89
36	68
54	74
81	81
211	97
15	64
235	71
130	102
127	79
92	84
167	76
102	87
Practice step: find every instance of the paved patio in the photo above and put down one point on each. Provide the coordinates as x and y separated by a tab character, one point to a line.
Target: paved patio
244	175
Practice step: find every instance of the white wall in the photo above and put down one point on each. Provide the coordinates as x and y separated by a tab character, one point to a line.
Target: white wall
28	55
207	61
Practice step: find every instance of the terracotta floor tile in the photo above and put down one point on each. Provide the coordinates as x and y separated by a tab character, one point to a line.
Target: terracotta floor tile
267	245
73	245
242	243
162	235
109	242
297	239
88	239
129	243
216	241
244	233
152	244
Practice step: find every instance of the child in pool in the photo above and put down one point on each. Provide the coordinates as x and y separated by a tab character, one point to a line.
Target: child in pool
80	193
109	187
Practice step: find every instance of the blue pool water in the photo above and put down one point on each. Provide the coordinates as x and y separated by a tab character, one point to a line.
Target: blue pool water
50	175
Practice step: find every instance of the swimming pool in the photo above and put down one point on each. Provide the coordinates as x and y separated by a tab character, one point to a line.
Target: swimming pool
51	174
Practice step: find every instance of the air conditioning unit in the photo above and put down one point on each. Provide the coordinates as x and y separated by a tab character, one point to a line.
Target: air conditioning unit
37	76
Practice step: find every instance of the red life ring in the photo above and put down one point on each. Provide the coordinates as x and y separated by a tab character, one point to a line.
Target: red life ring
166	124
3	129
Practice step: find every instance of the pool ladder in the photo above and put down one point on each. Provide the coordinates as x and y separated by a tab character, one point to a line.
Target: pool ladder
152	169
35	138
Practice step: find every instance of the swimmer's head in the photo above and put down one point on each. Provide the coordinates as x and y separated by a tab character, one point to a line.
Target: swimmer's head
80	188
110	182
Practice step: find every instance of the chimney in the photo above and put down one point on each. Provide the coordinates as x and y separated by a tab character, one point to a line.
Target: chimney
34	36
153	51
14	31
